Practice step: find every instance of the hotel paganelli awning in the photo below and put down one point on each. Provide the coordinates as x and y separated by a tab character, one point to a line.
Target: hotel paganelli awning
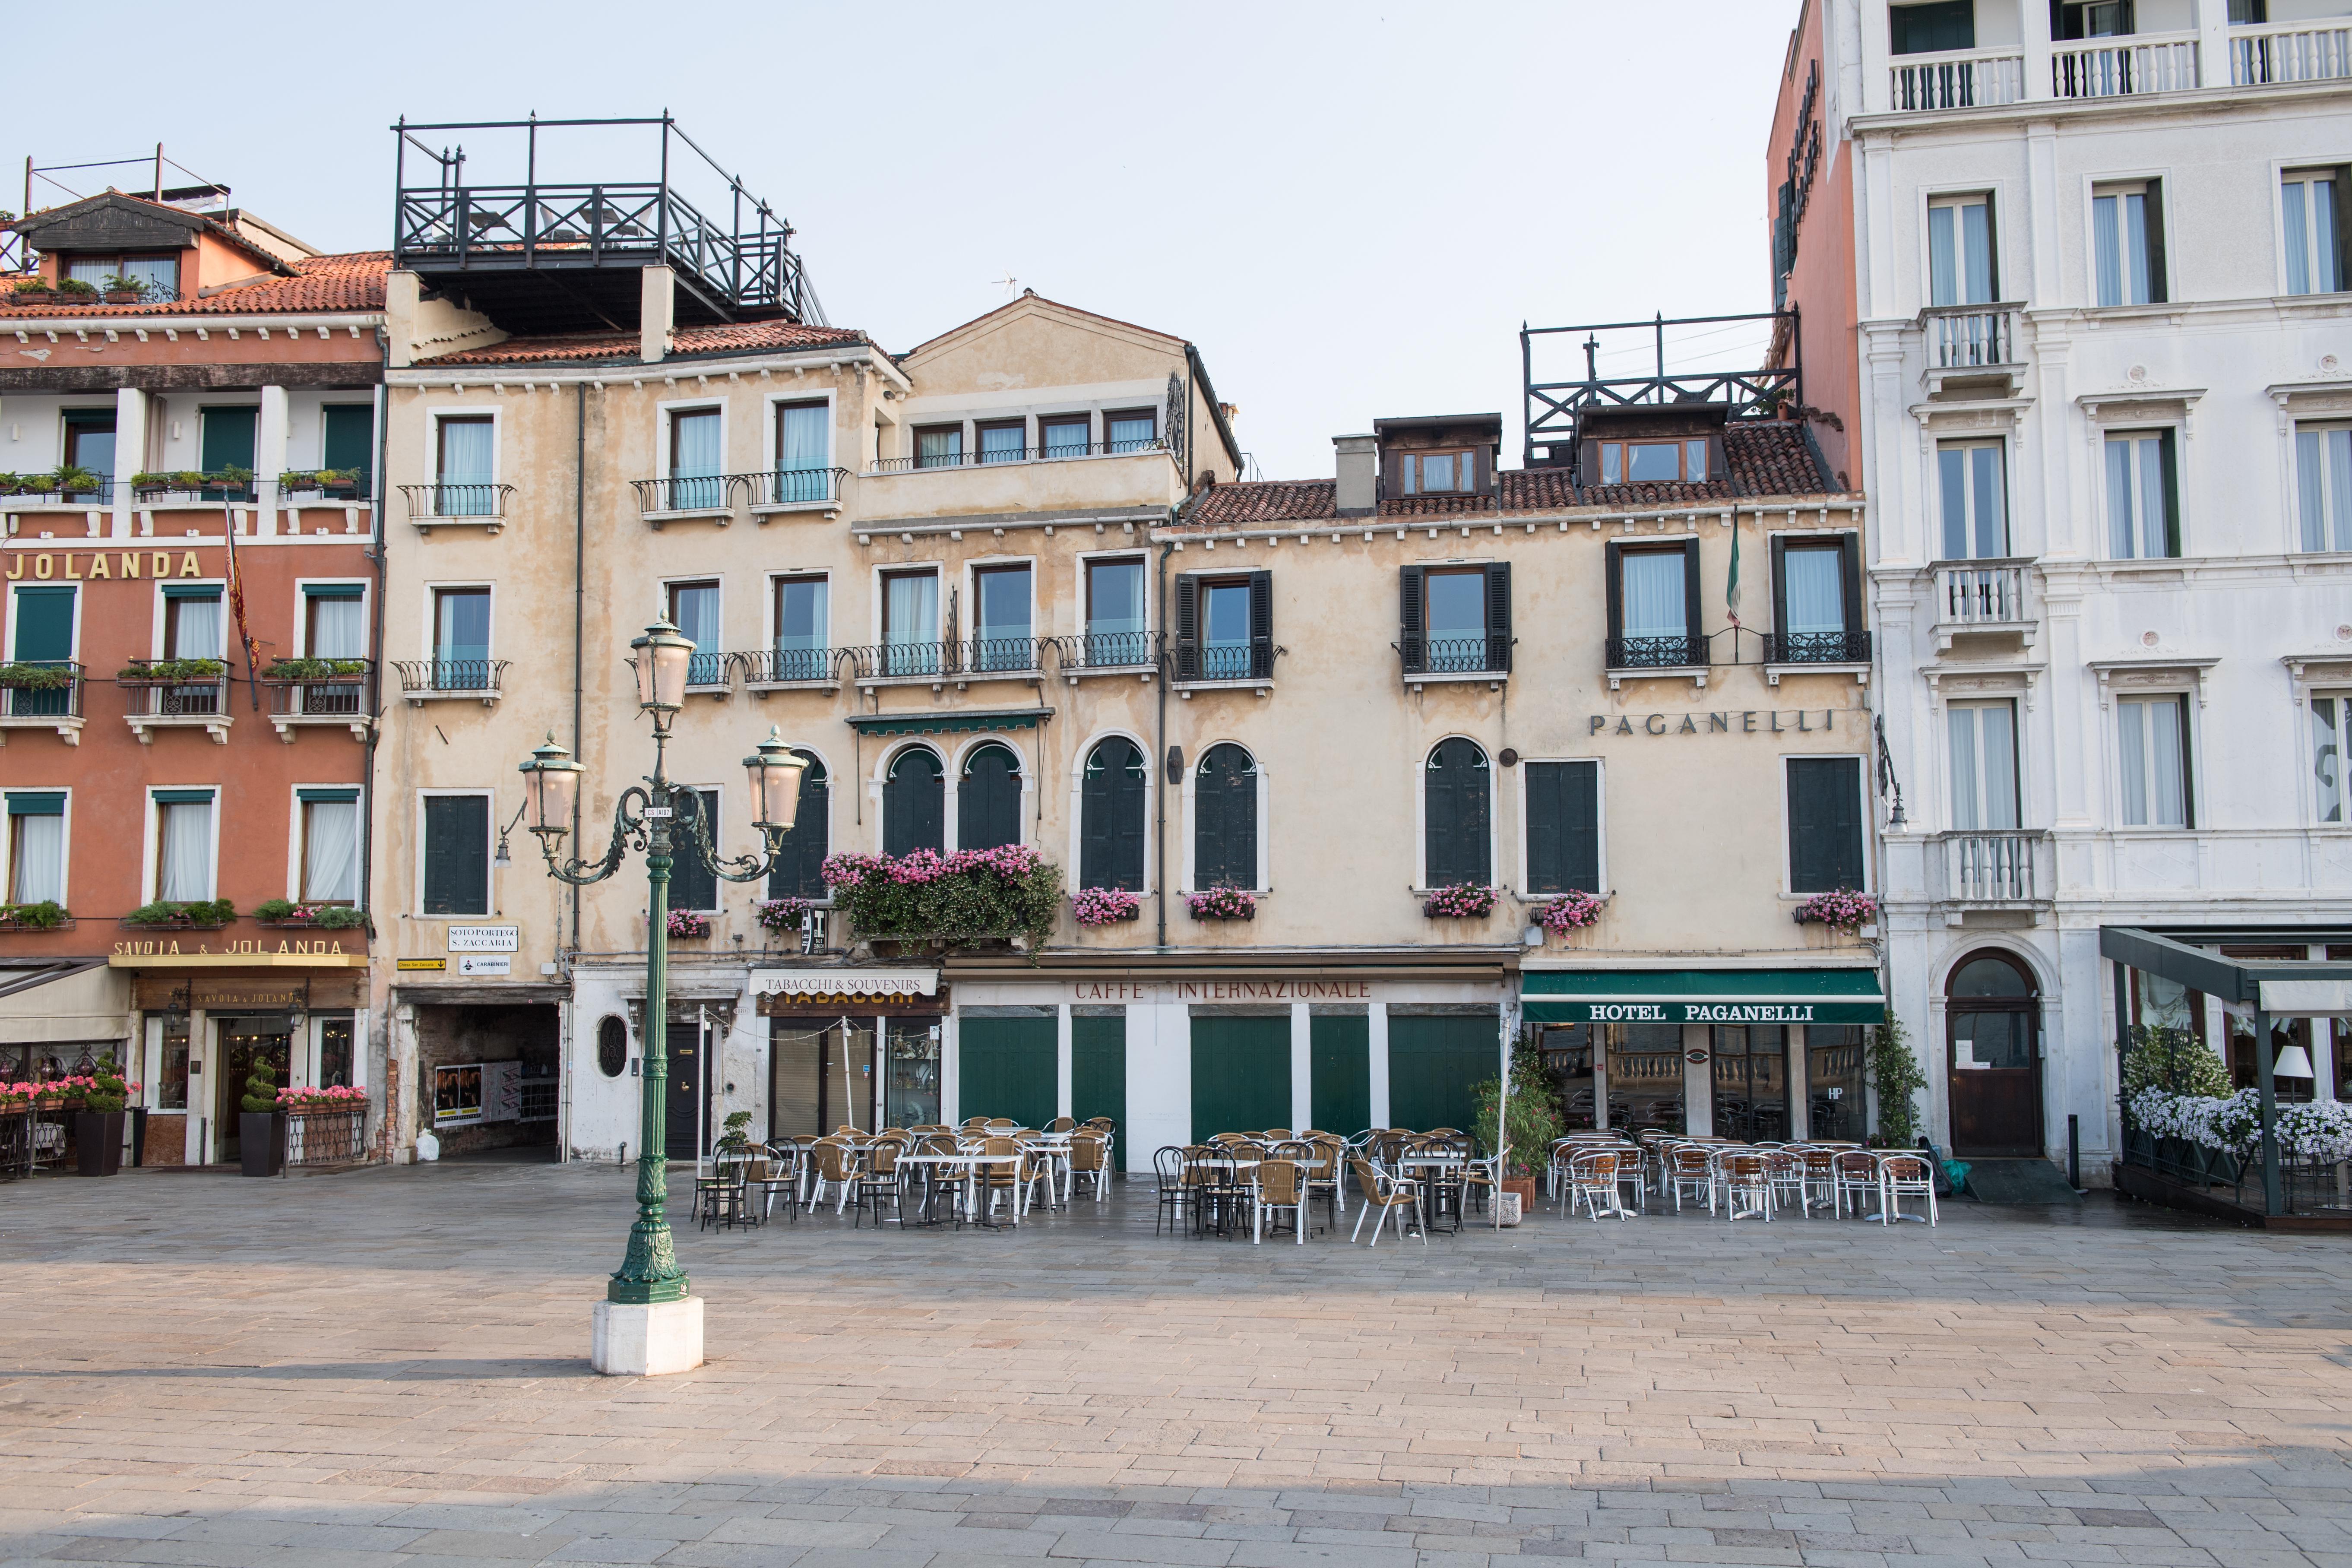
1703	997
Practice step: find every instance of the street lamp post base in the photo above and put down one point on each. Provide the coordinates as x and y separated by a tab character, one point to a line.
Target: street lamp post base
633	1340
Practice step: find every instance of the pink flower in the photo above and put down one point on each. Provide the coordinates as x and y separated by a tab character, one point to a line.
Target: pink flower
1468	902
1569	912
1105	906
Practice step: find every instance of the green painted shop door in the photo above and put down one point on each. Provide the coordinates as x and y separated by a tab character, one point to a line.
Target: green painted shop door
1241	1074
1005	1067
1340	1055
1099	1068
1435	1063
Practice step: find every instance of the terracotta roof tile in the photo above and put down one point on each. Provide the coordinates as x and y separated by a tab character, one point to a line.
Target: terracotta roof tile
352	282
740	338
1762	459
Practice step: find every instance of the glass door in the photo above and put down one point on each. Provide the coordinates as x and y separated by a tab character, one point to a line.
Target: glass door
1645	1077
246	1043
911	1092
1751	1077
1834	1101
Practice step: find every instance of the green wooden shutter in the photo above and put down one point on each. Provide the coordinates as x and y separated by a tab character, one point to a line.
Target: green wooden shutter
1412	595
44	620
456	855
1455	816
1850	567
1112	817
1261	613
349	440
2171	494
1824	824
1224	820
987	800
692	885
2152	214
914	804
1241	1074
1435	1066
1614	553
1188	628
1691	607
1098	1068
798	871
229	438
1563	826
1339	1053
1779	556
1581	819
1006	1067
1499	616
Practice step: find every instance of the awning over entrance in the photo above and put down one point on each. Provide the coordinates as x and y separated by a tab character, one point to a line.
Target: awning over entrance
1703	997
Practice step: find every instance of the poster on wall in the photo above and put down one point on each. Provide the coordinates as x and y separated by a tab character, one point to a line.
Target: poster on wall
456	1094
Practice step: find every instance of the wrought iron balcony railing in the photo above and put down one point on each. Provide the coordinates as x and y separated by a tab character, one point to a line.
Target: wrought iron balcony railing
1958	80
167	695
1107	650
467	502
1457	655
785	666
1224	661
21	698
1052	452
2299	51
976	657
685	493
791	487
451	677
1817	647
343	696
1657	653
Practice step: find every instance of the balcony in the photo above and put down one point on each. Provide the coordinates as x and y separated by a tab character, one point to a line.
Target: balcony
1120	481
176	694
2296	52
940	663
784	490
1672	657
790	669
42	694
424	681
1981	597
1970	80
1971	345
721	498
1440	660
320	691
1993	869
467	505
684	497
1817	653
2115	68
1107	653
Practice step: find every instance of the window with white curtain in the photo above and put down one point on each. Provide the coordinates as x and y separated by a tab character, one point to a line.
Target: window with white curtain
2331	726
2310	219
695	459
183	847
1959	251
330	848
803	451
2323	480
466	466
2153	751
1655	604
1813	578
338	627
36	847
2143	496
1983	739
911	623
2128	243
1974	492
192	623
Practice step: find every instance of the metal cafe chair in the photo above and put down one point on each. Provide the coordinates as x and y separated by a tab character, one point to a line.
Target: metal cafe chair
1857	1179
1592	1183
1168	1168
1386	1197
1784	1178
1905	1175
1689	1171
1746	1190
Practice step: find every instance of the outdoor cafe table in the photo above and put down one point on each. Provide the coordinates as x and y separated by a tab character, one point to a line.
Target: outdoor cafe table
971	1162
1439	1165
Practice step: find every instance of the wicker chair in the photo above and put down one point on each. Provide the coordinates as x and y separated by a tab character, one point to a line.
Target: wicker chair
1386	1197
1281	1184
834	1166
1090	1162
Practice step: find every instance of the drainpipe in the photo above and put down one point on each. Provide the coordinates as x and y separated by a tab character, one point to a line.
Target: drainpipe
375	726
1159	795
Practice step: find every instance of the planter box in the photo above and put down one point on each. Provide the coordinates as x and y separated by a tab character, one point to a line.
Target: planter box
98	1141
10	925
261	1142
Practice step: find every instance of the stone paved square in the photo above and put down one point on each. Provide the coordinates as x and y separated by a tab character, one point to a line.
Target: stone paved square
389	1366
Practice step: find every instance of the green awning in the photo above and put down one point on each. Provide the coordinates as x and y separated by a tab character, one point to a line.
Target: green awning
37	803
1703	997
952	722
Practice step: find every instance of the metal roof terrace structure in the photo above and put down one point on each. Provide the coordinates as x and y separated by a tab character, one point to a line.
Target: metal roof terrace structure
543	254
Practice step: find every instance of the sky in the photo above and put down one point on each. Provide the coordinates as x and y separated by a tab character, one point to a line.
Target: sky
1350	208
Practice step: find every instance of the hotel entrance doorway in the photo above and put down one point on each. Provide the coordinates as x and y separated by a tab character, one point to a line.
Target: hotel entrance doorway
246	1043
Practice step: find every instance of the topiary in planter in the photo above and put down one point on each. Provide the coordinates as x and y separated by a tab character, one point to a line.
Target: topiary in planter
260	1088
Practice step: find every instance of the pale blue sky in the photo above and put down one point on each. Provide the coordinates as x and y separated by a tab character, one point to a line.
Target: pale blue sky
1350	208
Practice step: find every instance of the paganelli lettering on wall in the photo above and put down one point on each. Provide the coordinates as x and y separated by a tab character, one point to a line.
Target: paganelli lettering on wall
99	565
1750	721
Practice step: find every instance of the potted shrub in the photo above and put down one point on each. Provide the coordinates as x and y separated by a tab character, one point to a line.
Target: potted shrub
22	677
735	1142
33	290
1533	1122
122	290
233	481
72	479
260	1125
47	915
98	1127
1011	891
198	915
172	671
76	292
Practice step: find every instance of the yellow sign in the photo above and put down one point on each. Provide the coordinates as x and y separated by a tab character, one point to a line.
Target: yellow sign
421	963
128	564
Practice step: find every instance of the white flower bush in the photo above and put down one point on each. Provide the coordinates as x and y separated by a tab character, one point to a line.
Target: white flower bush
2318	1132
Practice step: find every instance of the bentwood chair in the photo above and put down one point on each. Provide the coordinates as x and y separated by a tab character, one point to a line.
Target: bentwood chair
1169	1169
880	1182
1386	1198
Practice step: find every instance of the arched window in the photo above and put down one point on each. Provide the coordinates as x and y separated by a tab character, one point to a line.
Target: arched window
1111	816
799	871
914	804
988	799
1457	842
1224	820
1990	974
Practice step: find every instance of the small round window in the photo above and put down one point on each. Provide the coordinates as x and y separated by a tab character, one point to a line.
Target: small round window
612	1047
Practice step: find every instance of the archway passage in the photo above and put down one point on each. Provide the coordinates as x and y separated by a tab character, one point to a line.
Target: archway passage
1992	1031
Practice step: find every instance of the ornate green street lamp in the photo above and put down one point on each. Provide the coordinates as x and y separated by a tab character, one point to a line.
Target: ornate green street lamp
658	818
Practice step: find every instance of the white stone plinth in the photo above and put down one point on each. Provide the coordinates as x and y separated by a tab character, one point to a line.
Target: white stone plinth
630	1340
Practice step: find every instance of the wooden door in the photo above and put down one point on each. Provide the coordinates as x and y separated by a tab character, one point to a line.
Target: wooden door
1240	1073
1992	1032
683	1119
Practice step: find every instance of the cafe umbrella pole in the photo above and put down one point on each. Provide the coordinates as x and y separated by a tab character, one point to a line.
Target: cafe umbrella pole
649	1322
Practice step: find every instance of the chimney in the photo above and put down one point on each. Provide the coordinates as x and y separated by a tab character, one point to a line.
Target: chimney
656	308
1360	474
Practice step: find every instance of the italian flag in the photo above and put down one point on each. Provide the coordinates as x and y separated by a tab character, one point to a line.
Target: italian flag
1731	583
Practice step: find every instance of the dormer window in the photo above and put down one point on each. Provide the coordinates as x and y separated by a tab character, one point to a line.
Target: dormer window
157	277
1439	473
1653	462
